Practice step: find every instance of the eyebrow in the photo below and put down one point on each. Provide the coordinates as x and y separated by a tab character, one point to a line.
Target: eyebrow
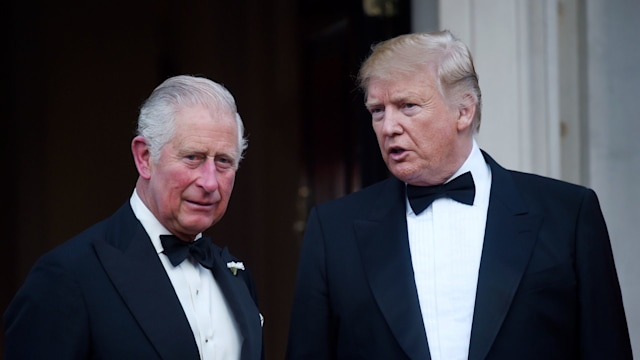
395	98
369	104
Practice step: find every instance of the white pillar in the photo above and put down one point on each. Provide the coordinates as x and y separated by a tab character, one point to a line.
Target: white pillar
559	80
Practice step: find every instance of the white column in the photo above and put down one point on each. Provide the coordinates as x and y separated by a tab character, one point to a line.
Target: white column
515	52
560	87
613	136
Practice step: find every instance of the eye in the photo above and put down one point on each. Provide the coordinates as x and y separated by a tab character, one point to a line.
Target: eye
224	162
376	112
410	108
193	159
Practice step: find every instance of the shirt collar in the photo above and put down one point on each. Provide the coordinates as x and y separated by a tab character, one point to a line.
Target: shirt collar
475	164
151	225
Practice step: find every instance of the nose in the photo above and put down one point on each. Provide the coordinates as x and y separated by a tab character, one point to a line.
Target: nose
208	179
391	122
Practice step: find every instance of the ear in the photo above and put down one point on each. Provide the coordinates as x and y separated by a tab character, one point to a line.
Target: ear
141	156
466	113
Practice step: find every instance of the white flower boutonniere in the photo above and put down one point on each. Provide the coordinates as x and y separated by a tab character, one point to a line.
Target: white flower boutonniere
235	266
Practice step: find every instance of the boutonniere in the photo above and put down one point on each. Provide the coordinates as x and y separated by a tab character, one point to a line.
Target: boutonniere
235	266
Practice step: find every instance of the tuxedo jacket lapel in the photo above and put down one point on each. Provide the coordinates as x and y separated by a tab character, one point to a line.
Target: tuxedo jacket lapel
383	244
131	262
510	236
242	305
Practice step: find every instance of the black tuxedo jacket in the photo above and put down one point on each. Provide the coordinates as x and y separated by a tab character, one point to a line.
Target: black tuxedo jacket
547	286
105	295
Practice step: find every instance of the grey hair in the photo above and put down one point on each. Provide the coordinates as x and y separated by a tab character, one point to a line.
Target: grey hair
451	58
156	121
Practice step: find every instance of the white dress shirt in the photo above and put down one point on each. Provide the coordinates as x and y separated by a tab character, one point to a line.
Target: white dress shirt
214	327
446	244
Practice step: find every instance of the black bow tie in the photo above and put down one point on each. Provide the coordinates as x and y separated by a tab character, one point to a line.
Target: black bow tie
178	250
461	189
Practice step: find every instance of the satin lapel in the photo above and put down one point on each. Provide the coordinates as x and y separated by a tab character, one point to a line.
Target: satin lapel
139	277
384	246
242	305
510	236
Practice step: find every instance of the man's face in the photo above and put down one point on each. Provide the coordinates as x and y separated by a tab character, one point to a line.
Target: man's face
190	185
423	140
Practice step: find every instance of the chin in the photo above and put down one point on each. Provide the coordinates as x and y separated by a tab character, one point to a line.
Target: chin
402	174
199	224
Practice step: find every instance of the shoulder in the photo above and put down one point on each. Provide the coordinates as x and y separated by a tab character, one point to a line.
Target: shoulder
74	253
551	194
547	186
537	189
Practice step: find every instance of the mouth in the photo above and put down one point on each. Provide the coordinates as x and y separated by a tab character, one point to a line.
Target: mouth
201	204
396	152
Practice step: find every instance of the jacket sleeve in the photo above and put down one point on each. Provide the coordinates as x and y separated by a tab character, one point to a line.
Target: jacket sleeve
310	334
604	333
